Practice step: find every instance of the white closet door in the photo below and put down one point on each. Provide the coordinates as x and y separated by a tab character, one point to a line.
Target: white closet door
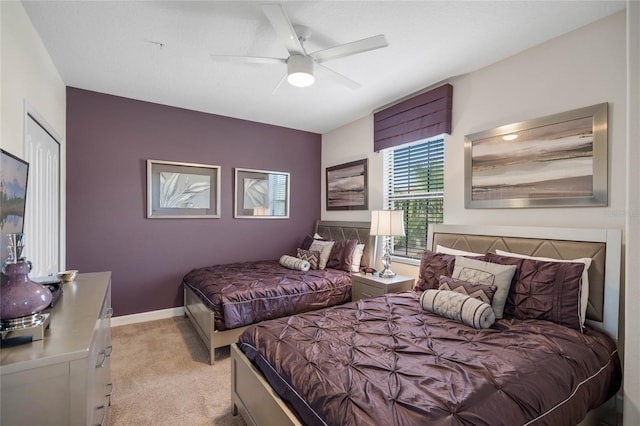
42	213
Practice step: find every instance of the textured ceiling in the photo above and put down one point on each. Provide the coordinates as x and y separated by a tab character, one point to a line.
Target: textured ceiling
159	51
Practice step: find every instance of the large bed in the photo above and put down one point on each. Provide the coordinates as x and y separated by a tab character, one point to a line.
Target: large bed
388	361
222	300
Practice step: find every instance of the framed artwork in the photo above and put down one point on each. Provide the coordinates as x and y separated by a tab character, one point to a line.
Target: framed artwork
261	194
554	161
346	186
14	173
182	190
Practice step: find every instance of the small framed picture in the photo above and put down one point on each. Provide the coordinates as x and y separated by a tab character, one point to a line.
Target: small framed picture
261	194
347	186
182	190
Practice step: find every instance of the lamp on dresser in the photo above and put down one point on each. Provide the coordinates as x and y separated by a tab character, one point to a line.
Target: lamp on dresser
387	224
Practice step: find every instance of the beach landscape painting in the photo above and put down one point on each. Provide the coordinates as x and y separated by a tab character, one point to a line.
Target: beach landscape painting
347	186
554	161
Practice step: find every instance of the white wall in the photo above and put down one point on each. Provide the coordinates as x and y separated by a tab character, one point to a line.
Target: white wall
28	73
585	67
632	289
582	68
30	80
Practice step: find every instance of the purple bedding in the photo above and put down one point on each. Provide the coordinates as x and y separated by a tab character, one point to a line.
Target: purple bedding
246	293
385	361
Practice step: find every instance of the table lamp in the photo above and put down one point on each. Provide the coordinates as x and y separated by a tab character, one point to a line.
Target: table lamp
387	224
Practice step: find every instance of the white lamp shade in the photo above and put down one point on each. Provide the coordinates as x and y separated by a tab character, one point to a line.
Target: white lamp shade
300	70
387	223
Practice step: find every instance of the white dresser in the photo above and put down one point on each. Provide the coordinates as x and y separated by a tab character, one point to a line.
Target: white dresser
63	379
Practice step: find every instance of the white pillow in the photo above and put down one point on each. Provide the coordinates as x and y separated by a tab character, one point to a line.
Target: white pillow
584	286
324	247
477	271
357	258
454	252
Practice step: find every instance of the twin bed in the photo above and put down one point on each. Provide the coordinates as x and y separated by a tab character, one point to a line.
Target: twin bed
388	361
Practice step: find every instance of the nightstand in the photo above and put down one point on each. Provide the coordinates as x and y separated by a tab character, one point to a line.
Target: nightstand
366	286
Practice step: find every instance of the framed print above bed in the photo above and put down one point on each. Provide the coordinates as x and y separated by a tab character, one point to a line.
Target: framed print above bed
347	186
182	190
261	194
555	161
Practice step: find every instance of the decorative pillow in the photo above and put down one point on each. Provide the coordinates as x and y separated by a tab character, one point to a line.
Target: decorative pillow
477	271
455	252
432	266
584	288
291	262
357	258
547	291
324	247
459	307
479	291
510	305
306	243
341	256
310	256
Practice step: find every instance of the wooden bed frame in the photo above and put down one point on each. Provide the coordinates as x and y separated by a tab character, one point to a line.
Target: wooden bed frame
202	317
258	404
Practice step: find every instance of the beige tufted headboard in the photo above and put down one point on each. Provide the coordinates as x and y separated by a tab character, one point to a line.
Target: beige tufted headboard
603	246
338	230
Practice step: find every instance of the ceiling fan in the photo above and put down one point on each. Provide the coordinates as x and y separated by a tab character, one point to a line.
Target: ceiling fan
301	66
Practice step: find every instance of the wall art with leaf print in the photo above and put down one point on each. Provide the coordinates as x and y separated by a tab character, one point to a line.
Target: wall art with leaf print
261	194
182	190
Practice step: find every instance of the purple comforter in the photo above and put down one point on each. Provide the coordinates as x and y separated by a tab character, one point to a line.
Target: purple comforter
385	361
246	293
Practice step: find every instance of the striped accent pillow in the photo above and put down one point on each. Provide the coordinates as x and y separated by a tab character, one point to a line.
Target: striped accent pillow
291	262
458	307
479	291
310	256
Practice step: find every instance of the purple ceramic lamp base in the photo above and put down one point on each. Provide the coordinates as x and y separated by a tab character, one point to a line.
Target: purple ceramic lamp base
19	296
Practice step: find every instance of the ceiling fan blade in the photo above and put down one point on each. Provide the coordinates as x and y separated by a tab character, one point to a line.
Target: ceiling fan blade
247	59
277	86
353	48
338	78
281	23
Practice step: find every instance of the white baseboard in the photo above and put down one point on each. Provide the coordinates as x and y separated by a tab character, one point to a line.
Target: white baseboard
147	316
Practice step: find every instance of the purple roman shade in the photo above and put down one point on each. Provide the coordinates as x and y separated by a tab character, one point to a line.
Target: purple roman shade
421	117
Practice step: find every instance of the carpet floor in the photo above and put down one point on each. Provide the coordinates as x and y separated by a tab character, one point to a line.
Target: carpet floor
161	376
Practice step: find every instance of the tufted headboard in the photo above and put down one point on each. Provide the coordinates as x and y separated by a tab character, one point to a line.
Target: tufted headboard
603	246
338	230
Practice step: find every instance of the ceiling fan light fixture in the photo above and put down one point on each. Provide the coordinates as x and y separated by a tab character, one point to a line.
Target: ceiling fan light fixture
300	71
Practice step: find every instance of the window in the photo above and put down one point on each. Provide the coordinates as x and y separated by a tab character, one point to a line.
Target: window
414	182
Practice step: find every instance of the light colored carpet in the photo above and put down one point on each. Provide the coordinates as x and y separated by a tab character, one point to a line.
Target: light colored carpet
161	376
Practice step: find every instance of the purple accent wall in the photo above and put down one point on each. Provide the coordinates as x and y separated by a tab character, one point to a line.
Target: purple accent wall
109	139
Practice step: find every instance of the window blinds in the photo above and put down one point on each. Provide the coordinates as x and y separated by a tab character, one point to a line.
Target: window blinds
414	182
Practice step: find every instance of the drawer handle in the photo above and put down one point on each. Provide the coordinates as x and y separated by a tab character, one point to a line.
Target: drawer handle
106	353
110	389
109	313
368	295
104	413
